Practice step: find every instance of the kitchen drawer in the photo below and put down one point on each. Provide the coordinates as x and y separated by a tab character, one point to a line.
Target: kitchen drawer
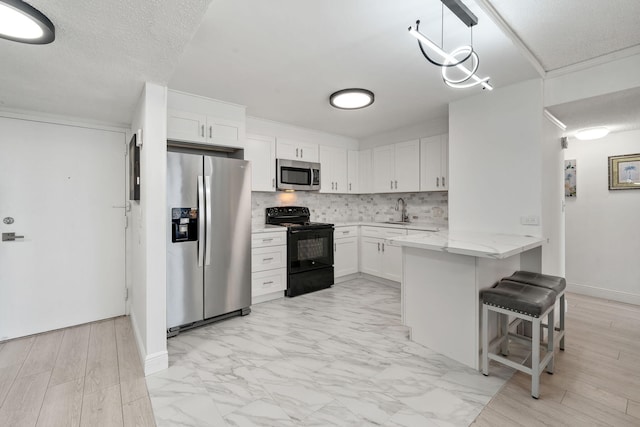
268	258
275	238
266	282
383	232
344	232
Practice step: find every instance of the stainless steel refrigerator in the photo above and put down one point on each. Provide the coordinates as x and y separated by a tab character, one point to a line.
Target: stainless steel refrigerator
209	239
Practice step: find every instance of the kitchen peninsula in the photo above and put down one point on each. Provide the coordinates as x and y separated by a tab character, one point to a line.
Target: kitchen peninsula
443	273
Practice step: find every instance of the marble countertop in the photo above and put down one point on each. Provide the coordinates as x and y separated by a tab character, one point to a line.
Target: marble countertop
267	228
484	245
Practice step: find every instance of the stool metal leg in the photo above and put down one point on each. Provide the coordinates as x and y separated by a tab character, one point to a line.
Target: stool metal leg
485	340
562	308
535	358
550	334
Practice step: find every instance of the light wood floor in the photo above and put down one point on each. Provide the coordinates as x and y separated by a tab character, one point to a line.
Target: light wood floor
88	375
596	380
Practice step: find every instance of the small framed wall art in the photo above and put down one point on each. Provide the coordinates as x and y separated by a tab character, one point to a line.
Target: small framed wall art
624	172
134	169
570	178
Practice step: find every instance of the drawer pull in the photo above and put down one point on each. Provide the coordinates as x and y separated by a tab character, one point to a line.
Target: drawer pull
267	259
267	240
345	232
270	282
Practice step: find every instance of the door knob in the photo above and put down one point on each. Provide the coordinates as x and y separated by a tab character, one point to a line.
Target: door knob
10	237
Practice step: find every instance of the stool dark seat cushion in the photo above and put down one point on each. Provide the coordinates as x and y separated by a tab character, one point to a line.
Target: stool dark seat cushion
555	283
519	297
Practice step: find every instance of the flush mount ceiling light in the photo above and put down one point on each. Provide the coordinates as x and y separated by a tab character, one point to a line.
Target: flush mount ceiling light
454	71
592	133
23	23
351	99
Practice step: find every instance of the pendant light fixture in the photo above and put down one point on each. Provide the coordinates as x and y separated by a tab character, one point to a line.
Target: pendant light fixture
351	99
23	23
455	61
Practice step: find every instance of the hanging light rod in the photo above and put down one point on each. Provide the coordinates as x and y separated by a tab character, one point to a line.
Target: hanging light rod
21	22
462	12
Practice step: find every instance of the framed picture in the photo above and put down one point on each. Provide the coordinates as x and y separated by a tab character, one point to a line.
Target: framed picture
134	169
570	178
624	172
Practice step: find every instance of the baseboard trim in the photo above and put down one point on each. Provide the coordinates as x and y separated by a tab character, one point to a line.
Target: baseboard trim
380	280
156	362
604	293
151	363
346	278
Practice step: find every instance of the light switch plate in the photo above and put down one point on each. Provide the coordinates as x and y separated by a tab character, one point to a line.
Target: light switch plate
530	220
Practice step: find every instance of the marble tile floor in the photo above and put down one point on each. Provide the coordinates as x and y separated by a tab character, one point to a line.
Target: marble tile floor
337	357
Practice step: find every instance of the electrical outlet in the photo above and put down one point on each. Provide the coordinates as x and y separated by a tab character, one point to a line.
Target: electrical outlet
530	220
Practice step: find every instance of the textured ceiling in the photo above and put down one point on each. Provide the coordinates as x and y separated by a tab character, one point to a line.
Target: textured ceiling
283	58
619	111
103	53
568	32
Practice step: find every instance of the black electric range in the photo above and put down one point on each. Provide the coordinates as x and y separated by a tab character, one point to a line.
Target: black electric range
309	249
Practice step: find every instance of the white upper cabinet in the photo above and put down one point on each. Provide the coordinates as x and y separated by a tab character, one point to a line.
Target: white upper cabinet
353	169
333	172
434	163
192	118
296	150
396	167
365	174
261	152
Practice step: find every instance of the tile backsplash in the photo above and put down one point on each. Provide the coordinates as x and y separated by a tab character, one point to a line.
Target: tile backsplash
421	207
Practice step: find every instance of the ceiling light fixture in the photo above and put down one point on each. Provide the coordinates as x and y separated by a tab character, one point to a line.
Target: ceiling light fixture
23	23
592	133
457	58
351	99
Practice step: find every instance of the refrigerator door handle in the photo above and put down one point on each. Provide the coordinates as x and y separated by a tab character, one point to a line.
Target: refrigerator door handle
200	221
207	251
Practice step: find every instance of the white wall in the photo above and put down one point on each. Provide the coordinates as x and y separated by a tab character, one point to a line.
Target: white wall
602	226
553	255
427	128
266	127
495	160
148	221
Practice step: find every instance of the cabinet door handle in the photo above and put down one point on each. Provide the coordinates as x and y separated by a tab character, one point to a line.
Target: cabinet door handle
273	182
443	181
396	184
392	184
202	130
336	186
210	131
349	186
437	181
383	247
378	246
335	247
301	154
297	152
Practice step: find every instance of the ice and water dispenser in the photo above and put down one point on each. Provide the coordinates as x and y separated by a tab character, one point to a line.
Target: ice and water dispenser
184	224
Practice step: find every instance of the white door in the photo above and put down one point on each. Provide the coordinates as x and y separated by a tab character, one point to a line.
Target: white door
370	256
64	187
345	256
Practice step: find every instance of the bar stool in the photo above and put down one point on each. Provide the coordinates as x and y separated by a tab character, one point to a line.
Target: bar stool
530	303
554	283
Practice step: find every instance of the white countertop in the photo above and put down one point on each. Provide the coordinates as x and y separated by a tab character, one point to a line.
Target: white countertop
484	245
268	228
423	226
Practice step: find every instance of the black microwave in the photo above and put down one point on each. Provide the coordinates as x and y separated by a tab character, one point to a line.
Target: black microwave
296	175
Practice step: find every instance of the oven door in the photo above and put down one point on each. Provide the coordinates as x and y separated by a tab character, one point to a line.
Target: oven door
309	249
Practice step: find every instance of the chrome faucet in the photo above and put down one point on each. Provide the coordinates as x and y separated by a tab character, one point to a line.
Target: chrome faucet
405	217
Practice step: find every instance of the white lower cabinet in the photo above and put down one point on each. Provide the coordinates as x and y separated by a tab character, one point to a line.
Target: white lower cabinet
345	248
379	257
268	266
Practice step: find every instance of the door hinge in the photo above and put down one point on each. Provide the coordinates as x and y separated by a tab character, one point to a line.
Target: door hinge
126	294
